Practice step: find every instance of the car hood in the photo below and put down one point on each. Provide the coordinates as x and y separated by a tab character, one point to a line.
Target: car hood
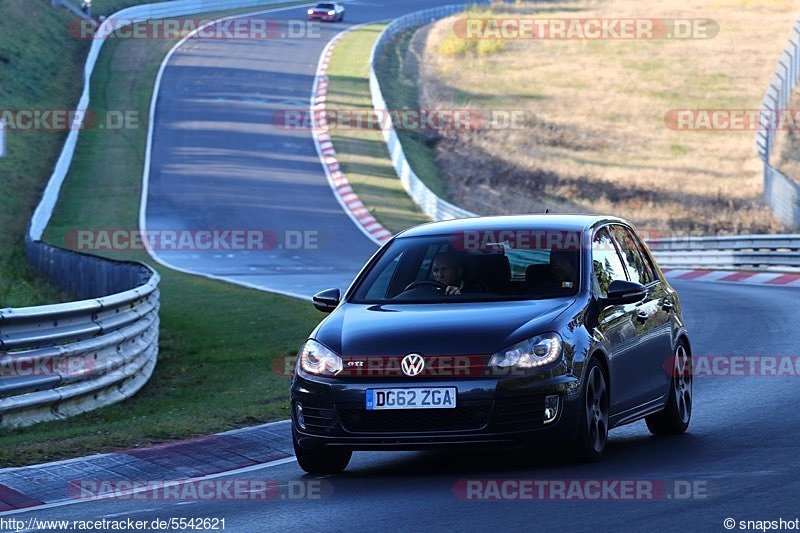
436	329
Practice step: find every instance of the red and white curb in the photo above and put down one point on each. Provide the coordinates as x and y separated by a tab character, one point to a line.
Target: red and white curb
778	279
344	193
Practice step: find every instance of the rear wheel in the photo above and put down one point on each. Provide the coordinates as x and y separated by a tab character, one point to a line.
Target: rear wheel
593	431
677	413
323	460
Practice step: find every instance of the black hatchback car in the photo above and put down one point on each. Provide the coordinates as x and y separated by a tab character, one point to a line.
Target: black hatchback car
496	330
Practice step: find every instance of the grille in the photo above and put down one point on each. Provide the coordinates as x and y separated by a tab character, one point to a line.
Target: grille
519	412
467	416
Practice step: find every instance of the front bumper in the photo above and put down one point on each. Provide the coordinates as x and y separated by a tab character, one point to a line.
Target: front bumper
489	411
321	16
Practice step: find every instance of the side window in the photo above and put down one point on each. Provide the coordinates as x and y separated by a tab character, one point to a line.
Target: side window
520	260
646	260
606	261
639	267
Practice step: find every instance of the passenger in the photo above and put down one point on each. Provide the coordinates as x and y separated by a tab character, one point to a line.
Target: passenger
561	273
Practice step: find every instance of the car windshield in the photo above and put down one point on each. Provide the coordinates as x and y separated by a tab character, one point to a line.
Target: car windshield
489	266
326	6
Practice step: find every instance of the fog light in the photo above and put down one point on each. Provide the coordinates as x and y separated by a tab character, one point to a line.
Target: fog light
550	408
301	421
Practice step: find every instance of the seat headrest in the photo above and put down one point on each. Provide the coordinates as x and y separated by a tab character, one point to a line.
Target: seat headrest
537	273
571	256
494	270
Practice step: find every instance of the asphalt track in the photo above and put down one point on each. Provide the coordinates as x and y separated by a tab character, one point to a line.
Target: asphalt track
742	446
215	165
218	160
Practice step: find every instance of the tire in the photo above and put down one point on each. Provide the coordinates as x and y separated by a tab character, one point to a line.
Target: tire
322	461
677	413
590	444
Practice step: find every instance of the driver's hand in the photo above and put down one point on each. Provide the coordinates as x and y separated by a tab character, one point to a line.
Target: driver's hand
452	289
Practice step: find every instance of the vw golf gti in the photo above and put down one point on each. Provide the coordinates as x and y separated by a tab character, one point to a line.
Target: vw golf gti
496	330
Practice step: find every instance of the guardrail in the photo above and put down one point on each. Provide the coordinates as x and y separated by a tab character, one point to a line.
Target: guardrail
735	251
69	5
428	202
780	191
63	359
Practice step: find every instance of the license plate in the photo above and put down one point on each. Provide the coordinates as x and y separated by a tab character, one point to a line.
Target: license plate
416	398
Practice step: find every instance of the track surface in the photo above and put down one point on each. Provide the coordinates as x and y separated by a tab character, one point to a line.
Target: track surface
742	443
219	162
216	165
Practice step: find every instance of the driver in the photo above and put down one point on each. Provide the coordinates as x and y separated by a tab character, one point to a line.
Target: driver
448	271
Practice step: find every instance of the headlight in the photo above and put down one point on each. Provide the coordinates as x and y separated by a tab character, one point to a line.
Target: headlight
532	353
315	358
310	11
331	12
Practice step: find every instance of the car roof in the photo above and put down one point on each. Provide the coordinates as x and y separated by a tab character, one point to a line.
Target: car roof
512	222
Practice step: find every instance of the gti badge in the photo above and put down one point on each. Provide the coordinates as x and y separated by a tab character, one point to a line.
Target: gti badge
413	364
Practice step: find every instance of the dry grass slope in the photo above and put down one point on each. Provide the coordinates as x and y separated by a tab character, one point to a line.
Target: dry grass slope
595	138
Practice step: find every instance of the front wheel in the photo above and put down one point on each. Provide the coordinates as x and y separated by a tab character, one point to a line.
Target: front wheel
593	431
677	413
322	461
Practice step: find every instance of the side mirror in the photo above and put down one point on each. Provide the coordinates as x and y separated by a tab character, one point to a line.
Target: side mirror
623	292
327	300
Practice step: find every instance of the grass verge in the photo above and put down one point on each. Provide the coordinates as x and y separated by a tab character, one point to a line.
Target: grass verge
39	69
218	341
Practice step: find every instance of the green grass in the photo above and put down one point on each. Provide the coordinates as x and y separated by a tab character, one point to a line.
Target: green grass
362	153
41	67
218	341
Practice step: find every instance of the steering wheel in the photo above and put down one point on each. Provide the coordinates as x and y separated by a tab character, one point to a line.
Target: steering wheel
425	283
